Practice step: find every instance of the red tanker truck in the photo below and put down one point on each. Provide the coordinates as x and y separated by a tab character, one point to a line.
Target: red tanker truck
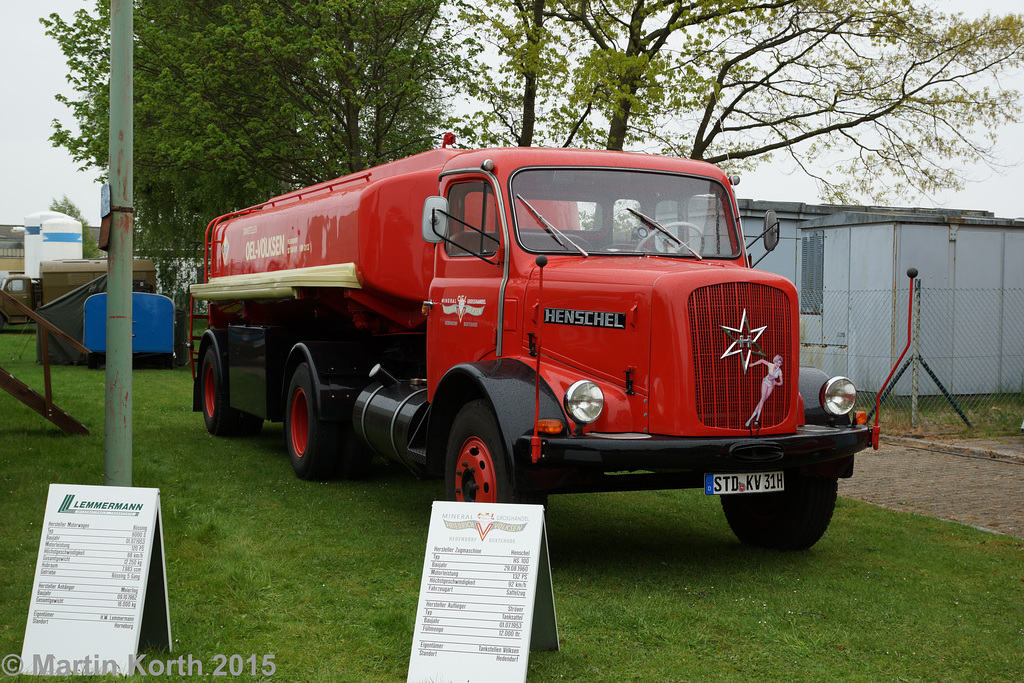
525	322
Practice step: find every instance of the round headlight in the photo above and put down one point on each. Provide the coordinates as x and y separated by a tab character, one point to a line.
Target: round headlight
838	396
584	401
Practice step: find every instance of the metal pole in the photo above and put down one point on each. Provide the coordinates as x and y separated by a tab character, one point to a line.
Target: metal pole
914	412
117	441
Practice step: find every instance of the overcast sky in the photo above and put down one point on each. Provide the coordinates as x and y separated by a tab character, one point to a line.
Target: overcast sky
33	172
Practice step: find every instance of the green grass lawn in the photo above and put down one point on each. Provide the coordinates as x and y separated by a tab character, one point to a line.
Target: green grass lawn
648	587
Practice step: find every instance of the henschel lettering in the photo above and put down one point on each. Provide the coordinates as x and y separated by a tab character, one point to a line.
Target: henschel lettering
567	316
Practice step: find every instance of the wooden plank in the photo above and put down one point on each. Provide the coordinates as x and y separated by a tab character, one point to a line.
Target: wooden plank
24	393
45	324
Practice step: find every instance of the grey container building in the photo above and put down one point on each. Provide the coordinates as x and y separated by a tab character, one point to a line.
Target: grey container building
849	264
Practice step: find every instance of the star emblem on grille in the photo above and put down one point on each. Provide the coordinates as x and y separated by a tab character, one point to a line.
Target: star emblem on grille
744	341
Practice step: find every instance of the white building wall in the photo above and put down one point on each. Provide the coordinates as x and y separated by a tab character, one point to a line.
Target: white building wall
972	325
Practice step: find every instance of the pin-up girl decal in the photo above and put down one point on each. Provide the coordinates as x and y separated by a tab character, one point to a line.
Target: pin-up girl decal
771	380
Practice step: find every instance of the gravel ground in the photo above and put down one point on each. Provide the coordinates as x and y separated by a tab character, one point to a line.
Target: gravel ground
980	483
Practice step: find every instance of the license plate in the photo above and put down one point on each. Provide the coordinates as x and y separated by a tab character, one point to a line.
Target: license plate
759	482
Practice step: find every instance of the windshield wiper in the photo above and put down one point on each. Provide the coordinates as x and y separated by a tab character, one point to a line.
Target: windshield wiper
555	232
662	229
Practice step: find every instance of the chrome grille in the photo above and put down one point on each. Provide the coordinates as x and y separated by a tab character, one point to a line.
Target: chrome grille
725	396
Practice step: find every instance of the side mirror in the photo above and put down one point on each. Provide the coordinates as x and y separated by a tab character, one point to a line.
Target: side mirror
435	219
771	231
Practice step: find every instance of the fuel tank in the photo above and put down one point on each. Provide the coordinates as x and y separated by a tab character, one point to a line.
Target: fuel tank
389	416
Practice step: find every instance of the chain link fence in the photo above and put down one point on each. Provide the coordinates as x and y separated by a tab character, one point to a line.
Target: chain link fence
964	369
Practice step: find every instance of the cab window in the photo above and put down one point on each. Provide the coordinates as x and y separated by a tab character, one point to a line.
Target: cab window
474	228
623	212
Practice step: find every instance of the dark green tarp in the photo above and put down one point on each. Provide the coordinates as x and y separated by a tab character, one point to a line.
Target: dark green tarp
67	313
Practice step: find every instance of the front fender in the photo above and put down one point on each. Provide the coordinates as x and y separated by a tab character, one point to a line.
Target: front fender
507	384
812	380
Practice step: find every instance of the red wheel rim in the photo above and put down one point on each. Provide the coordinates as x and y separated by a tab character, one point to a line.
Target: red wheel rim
209	391
299	423
474	477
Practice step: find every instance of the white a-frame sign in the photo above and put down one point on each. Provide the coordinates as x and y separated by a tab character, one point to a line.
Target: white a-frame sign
486	596
100	588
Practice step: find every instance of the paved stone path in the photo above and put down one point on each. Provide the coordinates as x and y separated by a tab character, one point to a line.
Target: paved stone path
979	484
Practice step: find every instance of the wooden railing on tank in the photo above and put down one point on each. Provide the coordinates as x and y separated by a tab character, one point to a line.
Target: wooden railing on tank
24	393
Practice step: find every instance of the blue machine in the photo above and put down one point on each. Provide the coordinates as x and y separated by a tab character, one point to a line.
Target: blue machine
152	324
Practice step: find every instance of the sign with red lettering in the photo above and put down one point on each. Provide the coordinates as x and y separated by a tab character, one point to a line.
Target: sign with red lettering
486	596
101	583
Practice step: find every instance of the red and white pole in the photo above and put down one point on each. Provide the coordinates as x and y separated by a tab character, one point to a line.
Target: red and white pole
875	431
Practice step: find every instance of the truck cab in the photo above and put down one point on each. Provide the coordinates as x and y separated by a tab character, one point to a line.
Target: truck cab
24	290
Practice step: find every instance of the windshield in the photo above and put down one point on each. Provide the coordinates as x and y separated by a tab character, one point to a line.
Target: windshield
610	211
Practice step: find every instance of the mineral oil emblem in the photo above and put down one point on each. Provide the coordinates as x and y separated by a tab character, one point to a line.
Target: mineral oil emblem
744	341
484	524
461	306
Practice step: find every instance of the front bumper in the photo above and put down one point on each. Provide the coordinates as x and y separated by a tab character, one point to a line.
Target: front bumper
640	461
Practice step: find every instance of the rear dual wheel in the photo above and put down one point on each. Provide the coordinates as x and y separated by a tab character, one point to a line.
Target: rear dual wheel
312	443
220	418
319	449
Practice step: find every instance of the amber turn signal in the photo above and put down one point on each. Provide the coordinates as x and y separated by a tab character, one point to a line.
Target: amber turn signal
862	417
550	427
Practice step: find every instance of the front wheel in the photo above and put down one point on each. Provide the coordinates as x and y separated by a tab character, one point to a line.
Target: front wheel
312	443
476	466
793	519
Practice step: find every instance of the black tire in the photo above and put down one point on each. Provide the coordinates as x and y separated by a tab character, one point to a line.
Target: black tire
221	419
476	464
793	519
313	444
356	456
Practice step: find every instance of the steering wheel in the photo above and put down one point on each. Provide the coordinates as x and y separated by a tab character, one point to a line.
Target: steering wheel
658	242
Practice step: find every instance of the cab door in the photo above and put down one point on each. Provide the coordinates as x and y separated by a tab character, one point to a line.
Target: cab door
20	289
469	271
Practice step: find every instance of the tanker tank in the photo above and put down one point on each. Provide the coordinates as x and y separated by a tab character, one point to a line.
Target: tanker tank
358	232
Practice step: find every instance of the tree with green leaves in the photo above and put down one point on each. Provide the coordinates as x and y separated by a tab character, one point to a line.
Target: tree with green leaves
240	100
526	54
69	208
903	97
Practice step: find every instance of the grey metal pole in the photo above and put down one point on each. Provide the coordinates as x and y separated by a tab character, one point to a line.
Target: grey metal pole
117	441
